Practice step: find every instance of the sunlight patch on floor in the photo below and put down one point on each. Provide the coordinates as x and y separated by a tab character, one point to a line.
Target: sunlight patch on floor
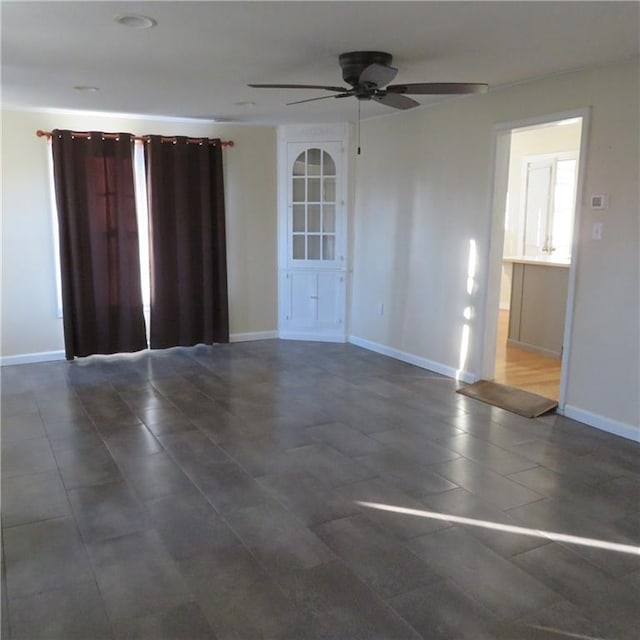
507	528
567	634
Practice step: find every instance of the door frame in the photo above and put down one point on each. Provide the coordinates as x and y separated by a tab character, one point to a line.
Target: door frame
500	151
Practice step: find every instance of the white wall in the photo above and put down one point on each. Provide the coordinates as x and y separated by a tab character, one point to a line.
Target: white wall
29	319
423	198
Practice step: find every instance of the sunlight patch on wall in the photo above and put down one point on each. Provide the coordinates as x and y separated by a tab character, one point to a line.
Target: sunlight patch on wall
468	313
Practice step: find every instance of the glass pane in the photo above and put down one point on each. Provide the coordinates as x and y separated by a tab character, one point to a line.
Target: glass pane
299	165
314	218
565	187
329	194
328	247
313	185
298	218
298	190
313	162
298	247
329	218
329	168
313	247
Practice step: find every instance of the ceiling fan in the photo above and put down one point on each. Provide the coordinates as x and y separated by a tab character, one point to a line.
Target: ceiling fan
369	74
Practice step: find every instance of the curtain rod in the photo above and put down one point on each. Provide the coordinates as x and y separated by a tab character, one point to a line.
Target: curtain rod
112	136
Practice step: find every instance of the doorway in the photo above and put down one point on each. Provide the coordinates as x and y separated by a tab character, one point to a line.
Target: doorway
537	180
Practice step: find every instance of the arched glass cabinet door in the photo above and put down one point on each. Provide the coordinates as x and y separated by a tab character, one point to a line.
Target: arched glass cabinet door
314	209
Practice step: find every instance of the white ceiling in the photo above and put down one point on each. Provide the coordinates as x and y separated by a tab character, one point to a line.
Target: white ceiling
199	58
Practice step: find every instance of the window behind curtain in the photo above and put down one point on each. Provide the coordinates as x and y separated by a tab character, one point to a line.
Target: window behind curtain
99	250
143	229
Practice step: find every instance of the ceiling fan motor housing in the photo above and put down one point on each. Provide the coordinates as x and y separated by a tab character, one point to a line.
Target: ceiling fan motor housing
353	63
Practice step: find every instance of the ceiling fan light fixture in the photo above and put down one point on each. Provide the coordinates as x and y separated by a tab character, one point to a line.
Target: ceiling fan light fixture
135	21
369	72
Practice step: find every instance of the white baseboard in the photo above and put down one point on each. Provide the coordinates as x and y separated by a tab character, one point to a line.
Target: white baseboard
49	356
410	358
255	335
311	337
601	422
30	358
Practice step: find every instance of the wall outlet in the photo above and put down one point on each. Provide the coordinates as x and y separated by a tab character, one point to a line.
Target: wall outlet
380	309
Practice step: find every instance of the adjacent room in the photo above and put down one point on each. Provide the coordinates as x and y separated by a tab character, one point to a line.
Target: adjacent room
251	254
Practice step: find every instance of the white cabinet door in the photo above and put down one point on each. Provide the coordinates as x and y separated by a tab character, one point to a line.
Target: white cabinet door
537	208
549	203
302	299
330	287
314	303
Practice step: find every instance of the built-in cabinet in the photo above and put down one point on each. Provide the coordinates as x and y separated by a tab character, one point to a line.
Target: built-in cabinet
538	304
312	229
313	302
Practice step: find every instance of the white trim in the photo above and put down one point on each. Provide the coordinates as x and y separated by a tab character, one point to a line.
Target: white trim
311	337
50	356
115	114
491	270
536	121
601	422
410	358
31	358
575	254
254	335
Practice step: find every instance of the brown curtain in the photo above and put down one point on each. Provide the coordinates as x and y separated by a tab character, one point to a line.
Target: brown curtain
187	242
99	257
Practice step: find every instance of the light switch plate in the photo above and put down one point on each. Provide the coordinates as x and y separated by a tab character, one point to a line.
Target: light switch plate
596	231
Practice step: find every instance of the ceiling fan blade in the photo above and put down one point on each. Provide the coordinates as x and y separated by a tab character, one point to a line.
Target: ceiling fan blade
396	101
438	88
377	75
341	95
297	86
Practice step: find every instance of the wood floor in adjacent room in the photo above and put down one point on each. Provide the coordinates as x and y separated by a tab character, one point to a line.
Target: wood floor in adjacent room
525	369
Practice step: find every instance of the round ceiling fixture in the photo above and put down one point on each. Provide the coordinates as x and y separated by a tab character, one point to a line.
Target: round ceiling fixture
135	21
86	88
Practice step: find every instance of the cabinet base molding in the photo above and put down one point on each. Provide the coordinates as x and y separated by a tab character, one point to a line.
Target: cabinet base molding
534	348
311	337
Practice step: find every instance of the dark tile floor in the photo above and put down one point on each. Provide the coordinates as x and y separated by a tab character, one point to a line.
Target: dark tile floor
247	491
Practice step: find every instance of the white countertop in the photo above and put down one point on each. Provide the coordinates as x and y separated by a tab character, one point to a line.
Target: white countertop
543	261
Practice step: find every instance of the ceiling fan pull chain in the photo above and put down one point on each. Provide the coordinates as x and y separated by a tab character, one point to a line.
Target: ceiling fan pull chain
358	127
